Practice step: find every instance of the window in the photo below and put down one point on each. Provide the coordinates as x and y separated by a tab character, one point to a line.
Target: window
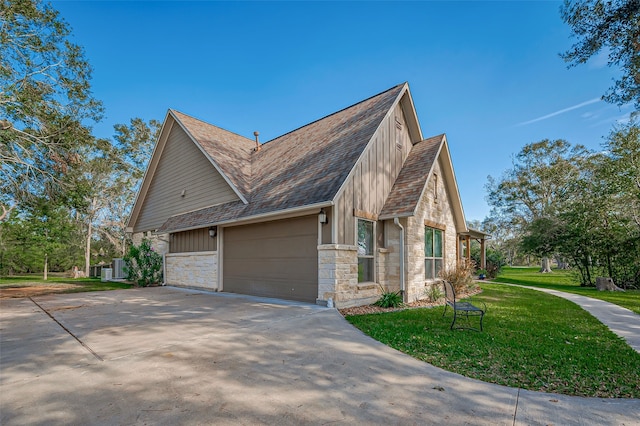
433	258
365	250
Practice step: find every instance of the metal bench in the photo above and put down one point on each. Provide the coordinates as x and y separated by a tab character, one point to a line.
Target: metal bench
464	309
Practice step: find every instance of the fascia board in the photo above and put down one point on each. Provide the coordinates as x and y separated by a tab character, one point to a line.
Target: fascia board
412	115
452	189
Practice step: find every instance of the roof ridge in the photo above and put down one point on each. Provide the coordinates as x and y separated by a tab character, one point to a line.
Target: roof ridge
334	113
212	125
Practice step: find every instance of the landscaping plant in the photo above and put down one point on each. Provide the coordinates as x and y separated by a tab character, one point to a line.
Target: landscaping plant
460	276
143	264
434	293
389	299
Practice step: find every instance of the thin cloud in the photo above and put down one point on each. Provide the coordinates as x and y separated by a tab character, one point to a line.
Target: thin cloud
562	111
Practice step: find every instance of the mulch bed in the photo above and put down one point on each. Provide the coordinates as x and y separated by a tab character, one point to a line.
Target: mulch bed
371	309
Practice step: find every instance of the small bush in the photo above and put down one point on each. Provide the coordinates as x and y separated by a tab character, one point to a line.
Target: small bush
144	265
434	293
389	300
460	276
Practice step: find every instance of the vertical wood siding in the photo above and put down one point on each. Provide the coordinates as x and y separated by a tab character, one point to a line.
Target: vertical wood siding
182	167
192	241
368	187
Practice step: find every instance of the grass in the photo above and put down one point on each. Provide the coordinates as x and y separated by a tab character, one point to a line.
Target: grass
567	281
78	285
532	340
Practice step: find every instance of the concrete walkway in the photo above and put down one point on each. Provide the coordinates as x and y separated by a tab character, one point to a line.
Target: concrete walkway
179	357
622	321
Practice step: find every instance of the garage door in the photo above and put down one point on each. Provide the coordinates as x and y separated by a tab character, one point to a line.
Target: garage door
273	259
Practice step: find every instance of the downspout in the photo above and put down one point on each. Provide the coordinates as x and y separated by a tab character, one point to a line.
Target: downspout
396	221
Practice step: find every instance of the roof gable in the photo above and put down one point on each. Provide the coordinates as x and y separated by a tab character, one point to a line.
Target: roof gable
409	186
412	181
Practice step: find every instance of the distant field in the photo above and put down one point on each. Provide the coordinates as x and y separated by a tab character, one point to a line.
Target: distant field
567	281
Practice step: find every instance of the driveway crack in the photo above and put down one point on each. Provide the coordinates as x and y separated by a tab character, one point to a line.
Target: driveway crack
91	351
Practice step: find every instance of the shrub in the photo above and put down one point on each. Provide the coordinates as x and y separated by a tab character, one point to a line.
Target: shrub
460	276
389	299
143	264
495	262
433	293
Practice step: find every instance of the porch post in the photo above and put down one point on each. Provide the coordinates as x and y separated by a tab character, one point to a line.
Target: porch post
469	248
483	254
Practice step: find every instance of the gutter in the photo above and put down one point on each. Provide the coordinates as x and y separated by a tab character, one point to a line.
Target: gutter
396	221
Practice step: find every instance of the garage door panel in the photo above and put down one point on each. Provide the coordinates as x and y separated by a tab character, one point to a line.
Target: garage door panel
273	259
281	269
293	247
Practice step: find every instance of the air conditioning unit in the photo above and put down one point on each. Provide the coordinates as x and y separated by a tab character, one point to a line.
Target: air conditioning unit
106	274
118	269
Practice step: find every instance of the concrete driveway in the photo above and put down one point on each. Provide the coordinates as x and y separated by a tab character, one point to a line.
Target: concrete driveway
173	356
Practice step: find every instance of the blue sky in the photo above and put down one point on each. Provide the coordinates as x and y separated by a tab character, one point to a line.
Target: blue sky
487	74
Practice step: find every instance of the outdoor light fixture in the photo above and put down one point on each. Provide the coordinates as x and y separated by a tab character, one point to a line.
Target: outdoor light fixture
213	231
322	217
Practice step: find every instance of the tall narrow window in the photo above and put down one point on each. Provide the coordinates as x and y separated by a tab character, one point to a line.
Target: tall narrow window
433	253
365	250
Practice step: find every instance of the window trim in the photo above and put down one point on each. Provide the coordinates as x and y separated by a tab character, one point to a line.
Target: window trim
433	258
373	248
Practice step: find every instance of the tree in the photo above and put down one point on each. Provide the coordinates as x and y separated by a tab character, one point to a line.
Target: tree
612	26
105	184
45	98
537	185
621	169
133	148
39	237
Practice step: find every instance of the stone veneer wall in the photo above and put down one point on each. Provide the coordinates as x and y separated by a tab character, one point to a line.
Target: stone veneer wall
198	269
338	277
437	210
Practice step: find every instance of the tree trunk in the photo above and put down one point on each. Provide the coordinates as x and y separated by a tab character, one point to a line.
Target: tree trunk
606	284
87	249
562	262
546	265
46	267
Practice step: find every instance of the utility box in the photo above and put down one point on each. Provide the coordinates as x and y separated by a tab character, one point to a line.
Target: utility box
106	274
118	269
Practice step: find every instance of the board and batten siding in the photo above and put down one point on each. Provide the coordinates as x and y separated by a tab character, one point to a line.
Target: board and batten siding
368	187
195	240
182	167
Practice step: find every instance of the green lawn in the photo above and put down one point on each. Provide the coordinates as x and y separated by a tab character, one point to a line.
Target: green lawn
566	281
531	340
77	285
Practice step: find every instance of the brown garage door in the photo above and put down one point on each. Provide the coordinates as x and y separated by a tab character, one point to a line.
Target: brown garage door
273	259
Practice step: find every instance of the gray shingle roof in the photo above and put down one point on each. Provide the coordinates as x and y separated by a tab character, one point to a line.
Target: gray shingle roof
303	167
407	189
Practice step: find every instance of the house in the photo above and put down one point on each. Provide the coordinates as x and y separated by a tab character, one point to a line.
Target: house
339	209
